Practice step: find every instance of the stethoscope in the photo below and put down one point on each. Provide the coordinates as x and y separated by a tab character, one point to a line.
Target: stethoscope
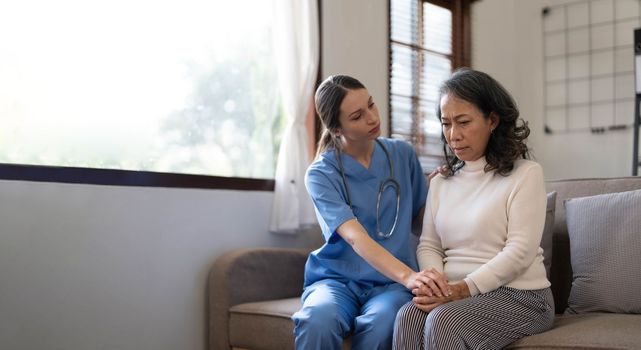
389	182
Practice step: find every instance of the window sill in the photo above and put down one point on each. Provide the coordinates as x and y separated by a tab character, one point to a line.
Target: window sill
114	177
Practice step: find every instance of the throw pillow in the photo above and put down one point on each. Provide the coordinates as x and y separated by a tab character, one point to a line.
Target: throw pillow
605	248
548	231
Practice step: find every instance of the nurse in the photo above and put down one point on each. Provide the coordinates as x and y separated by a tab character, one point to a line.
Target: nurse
366	190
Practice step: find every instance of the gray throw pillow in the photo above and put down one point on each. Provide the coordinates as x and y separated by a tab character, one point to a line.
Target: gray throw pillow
605	250
548	232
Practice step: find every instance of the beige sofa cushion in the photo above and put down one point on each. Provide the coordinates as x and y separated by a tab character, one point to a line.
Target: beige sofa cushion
263	325
587	331
266	325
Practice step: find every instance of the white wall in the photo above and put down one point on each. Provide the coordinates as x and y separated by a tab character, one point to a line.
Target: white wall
106	267
507	44
355	42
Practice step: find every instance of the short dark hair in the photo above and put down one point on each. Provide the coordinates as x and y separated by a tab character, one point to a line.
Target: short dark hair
507	141
328	99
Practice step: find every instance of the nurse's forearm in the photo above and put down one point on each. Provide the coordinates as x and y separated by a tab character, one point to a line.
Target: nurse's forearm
377	256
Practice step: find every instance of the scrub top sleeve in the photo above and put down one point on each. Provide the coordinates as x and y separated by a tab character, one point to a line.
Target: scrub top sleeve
331	209
419	183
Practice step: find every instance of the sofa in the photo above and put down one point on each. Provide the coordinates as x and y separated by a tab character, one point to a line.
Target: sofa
253	292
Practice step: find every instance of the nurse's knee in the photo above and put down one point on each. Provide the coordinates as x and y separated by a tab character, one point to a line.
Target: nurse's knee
373	332
379	322
320	318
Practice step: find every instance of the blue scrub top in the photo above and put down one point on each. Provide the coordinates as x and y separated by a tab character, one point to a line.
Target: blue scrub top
336	259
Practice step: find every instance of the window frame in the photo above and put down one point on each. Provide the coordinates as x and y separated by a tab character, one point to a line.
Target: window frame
460	56
114	177
117	177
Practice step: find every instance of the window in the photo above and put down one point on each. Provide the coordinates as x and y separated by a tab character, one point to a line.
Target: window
173	87
428	39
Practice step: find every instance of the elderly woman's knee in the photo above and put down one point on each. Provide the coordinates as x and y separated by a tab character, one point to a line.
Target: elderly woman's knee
406	314
442	330
441	321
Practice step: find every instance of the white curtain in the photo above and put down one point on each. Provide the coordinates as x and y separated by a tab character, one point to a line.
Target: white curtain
296	44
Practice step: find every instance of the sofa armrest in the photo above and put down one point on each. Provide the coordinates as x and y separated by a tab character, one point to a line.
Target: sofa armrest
249	275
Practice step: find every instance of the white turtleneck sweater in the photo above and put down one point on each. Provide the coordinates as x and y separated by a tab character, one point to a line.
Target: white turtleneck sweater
485	228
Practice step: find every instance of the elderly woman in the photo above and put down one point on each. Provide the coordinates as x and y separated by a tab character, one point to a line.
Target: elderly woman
482	228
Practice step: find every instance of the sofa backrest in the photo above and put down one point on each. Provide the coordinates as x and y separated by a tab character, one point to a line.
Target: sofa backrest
561	273
586	187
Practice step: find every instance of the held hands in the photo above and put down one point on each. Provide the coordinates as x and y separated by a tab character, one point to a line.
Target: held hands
429	282
426	302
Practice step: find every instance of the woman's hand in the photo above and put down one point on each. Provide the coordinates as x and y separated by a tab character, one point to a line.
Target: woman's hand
429	282
427	303
439	170
386	263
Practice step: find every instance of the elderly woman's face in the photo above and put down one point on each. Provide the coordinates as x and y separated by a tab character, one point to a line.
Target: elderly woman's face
466	130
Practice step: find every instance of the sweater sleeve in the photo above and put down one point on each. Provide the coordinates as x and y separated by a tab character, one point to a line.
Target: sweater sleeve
526	217
430	251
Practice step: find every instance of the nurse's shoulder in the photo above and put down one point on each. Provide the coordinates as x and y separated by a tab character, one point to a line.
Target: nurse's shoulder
324	169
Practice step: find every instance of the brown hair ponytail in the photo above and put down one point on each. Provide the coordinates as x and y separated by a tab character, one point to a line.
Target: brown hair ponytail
328	99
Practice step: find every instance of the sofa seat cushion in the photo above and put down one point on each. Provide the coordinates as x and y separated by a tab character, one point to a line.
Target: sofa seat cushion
263	325
587	331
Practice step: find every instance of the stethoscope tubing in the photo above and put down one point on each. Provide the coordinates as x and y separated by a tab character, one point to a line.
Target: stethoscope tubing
389	182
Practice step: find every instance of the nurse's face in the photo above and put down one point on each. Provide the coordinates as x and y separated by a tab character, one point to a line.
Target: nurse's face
358	117
467	131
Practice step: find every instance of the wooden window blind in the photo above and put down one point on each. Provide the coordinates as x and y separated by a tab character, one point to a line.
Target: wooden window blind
428	39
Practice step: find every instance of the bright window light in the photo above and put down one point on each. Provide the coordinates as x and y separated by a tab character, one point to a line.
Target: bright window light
171	86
